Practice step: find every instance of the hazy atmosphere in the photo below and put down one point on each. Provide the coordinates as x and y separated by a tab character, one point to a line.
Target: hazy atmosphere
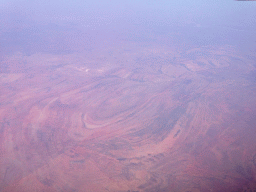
127	96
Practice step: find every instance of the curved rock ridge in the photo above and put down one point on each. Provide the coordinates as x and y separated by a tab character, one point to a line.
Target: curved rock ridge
157	119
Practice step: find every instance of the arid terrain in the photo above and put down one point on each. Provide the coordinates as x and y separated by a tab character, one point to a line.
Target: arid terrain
128	116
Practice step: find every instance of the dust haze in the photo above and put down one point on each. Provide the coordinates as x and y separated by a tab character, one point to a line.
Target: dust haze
127	96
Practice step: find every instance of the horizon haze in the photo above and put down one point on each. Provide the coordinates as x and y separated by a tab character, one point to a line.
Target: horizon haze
127	96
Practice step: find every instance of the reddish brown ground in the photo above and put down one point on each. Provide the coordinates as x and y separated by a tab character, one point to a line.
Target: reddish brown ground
128	118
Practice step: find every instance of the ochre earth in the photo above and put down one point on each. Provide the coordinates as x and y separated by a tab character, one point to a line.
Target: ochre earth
143	118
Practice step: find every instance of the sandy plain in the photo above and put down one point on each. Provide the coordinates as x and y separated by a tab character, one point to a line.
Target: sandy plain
128	117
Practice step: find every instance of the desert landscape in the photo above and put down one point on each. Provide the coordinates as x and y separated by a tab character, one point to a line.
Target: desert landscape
158	121
121	111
